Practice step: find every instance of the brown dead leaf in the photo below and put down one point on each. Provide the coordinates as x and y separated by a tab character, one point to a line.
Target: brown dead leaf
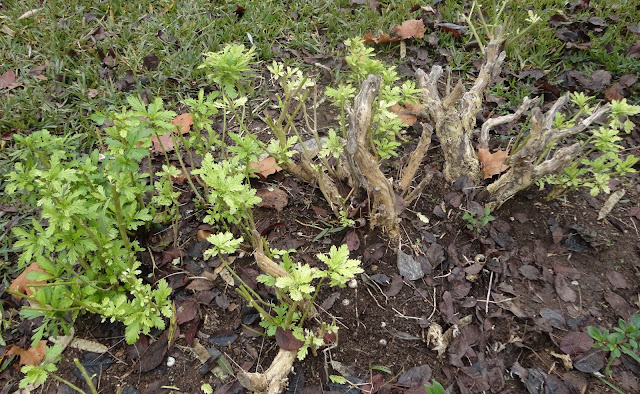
381	39
21	283
203	235
266	167
413	28
184	121
403	113
492	163
31	356
273	199
7	79
165	141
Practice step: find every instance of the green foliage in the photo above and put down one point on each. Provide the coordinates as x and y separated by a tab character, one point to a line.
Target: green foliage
37	374
228	68
230	196
477	221
434	388
601	157
90	205
386	124
623	339
297	292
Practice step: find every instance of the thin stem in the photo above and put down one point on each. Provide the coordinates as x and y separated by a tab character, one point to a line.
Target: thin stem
84	373
121	227
309	304
184	169
68	383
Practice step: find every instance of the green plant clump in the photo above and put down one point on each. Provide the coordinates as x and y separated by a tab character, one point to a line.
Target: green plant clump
477	221
600	159
623	339
296	294
91	205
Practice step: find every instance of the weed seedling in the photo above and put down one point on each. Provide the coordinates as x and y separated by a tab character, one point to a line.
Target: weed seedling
475	221
623	339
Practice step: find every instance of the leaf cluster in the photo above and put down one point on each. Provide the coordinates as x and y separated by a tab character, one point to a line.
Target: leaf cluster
623	340
601	157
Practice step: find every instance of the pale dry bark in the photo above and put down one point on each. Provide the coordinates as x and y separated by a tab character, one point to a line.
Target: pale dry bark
525	165
364	166
454	116
274	379
415	159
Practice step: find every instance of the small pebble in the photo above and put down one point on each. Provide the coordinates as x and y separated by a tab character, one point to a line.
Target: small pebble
383	324
383	342
346	302
170	361
353	283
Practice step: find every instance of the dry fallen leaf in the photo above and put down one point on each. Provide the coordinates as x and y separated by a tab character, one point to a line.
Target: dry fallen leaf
203	235
405	117
273	199
21	283
369	37
266	166
184	121
413	28
31	356
492	163
7	79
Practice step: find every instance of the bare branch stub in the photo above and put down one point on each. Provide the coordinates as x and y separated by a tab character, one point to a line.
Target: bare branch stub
364	166
525	167
454	116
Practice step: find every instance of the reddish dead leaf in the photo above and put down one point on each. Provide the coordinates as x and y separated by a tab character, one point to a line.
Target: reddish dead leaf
287	341
186	310
369	37
565	292
404	114
492	163
576	343
413	28
162	144
7	79
619	304
184	122
203	235
21	283
266	167
455	30
614	92
272	199
352	240
617	280
31	356
154	355
323	212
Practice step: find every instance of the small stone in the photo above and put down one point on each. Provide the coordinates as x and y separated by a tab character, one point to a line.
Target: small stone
346	302
353	283
171	361
383	342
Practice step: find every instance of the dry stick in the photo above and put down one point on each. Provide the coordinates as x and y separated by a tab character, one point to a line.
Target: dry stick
363	165
415	159
526	165
454	116
486	305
